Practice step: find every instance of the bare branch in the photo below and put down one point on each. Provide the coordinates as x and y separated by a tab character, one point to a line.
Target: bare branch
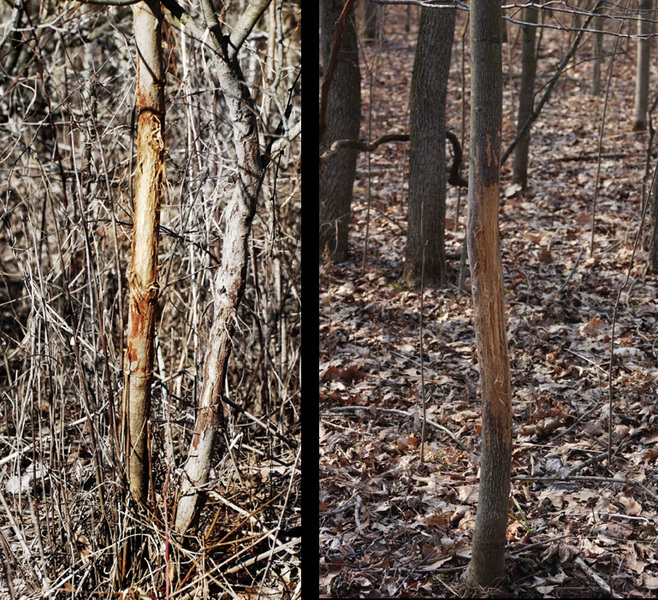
245	24
549	88
454	178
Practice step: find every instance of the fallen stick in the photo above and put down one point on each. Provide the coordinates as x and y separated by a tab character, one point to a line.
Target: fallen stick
395	411
590	479
596	578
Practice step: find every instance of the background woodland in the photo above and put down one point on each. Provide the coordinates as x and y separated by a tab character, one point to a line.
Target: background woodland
397	517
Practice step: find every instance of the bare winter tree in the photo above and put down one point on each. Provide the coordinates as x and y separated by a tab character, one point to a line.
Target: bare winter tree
341	121
230	279
488	552
642	72
150	179
425	247
526	94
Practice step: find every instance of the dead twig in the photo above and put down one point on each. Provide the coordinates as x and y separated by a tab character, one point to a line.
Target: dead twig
402	413
592	479
595	577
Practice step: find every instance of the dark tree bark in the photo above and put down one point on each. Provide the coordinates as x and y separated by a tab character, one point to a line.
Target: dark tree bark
642	75
427	149
488	552
342	120
526	95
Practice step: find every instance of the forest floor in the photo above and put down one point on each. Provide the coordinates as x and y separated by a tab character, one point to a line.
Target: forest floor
578	526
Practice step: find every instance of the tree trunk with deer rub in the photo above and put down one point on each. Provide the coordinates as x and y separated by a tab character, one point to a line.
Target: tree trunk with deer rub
148	189
488	551
230	278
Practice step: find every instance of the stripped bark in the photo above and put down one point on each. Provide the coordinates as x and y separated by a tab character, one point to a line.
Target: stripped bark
149	184
230	278
488	552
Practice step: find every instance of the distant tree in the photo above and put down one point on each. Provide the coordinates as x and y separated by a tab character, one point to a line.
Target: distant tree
341	121
642	73
526	94
488	551
598	53
427	154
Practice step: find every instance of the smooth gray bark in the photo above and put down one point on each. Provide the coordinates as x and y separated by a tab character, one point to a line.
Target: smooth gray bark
231	276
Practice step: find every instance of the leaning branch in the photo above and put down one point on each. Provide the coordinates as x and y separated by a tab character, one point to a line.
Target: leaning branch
454	178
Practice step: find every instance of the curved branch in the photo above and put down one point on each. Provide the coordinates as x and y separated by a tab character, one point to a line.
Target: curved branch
454	178
364	146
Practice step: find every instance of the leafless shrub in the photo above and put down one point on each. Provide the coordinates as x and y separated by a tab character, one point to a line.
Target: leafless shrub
66	157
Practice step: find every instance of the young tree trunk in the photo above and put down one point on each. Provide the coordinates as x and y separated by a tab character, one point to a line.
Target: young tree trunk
427	149
526	95
653	242
598	56
644	28
342	120
488	552
143	278
230	278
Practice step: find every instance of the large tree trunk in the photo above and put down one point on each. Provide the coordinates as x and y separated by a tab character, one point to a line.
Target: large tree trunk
642	74
143	277
342	120
526	95
488	552
230	278
427	150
